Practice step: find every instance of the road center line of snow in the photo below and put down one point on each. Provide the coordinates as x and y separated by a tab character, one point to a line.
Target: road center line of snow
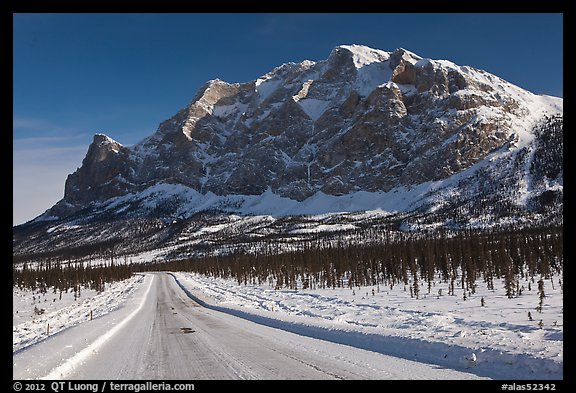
69	365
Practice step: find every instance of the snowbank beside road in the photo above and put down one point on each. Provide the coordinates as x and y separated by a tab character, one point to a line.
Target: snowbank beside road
496	340
62	313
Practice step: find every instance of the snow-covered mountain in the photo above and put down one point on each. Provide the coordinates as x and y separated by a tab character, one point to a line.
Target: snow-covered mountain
427	141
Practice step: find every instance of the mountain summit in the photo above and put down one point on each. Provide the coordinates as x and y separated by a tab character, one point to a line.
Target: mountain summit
389	130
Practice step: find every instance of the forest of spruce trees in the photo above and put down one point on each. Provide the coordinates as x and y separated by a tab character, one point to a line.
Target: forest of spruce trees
460	258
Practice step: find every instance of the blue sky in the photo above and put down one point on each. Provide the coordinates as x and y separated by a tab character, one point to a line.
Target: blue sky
122	74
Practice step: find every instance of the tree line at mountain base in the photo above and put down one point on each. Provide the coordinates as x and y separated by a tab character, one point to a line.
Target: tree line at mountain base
410	259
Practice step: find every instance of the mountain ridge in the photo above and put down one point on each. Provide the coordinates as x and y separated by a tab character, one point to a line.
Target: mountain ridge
364	129
186	130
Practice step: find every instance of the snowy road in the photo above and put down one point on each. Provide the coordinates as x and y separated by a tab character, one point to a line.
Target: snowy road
163	334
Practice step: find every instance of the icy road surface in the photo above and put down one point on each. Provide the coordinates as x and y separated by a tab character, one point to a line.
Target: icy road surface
161	333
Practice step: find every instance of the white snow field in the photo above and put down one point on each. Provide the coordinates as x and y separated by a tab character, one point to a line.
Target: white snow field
496	340
160	332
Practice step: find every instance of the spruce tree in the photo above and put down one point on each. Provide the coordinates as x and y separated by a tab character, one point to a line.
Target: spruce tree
541	295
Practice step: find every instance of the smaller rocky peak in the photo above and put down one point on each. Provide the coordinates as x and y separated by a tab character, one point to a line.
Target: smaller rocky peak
97	178
102	147
104	139
180	127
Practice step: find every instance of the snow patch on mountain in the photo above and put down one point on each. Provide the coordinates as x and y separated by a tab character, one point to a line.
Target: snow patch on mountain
314	108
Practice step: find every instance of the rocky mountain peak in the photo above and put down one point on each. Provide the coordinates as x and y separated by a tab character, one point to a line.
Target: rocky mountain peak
361	120
101	148
99	177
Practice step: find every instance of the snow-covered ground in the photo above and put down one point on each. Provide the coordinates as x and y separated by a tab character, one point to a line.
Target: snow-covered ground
60	313
160	333
497	340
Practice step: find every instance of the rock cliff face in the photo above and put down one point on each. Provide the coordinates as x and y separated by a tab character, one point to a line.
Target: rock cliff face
362	120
